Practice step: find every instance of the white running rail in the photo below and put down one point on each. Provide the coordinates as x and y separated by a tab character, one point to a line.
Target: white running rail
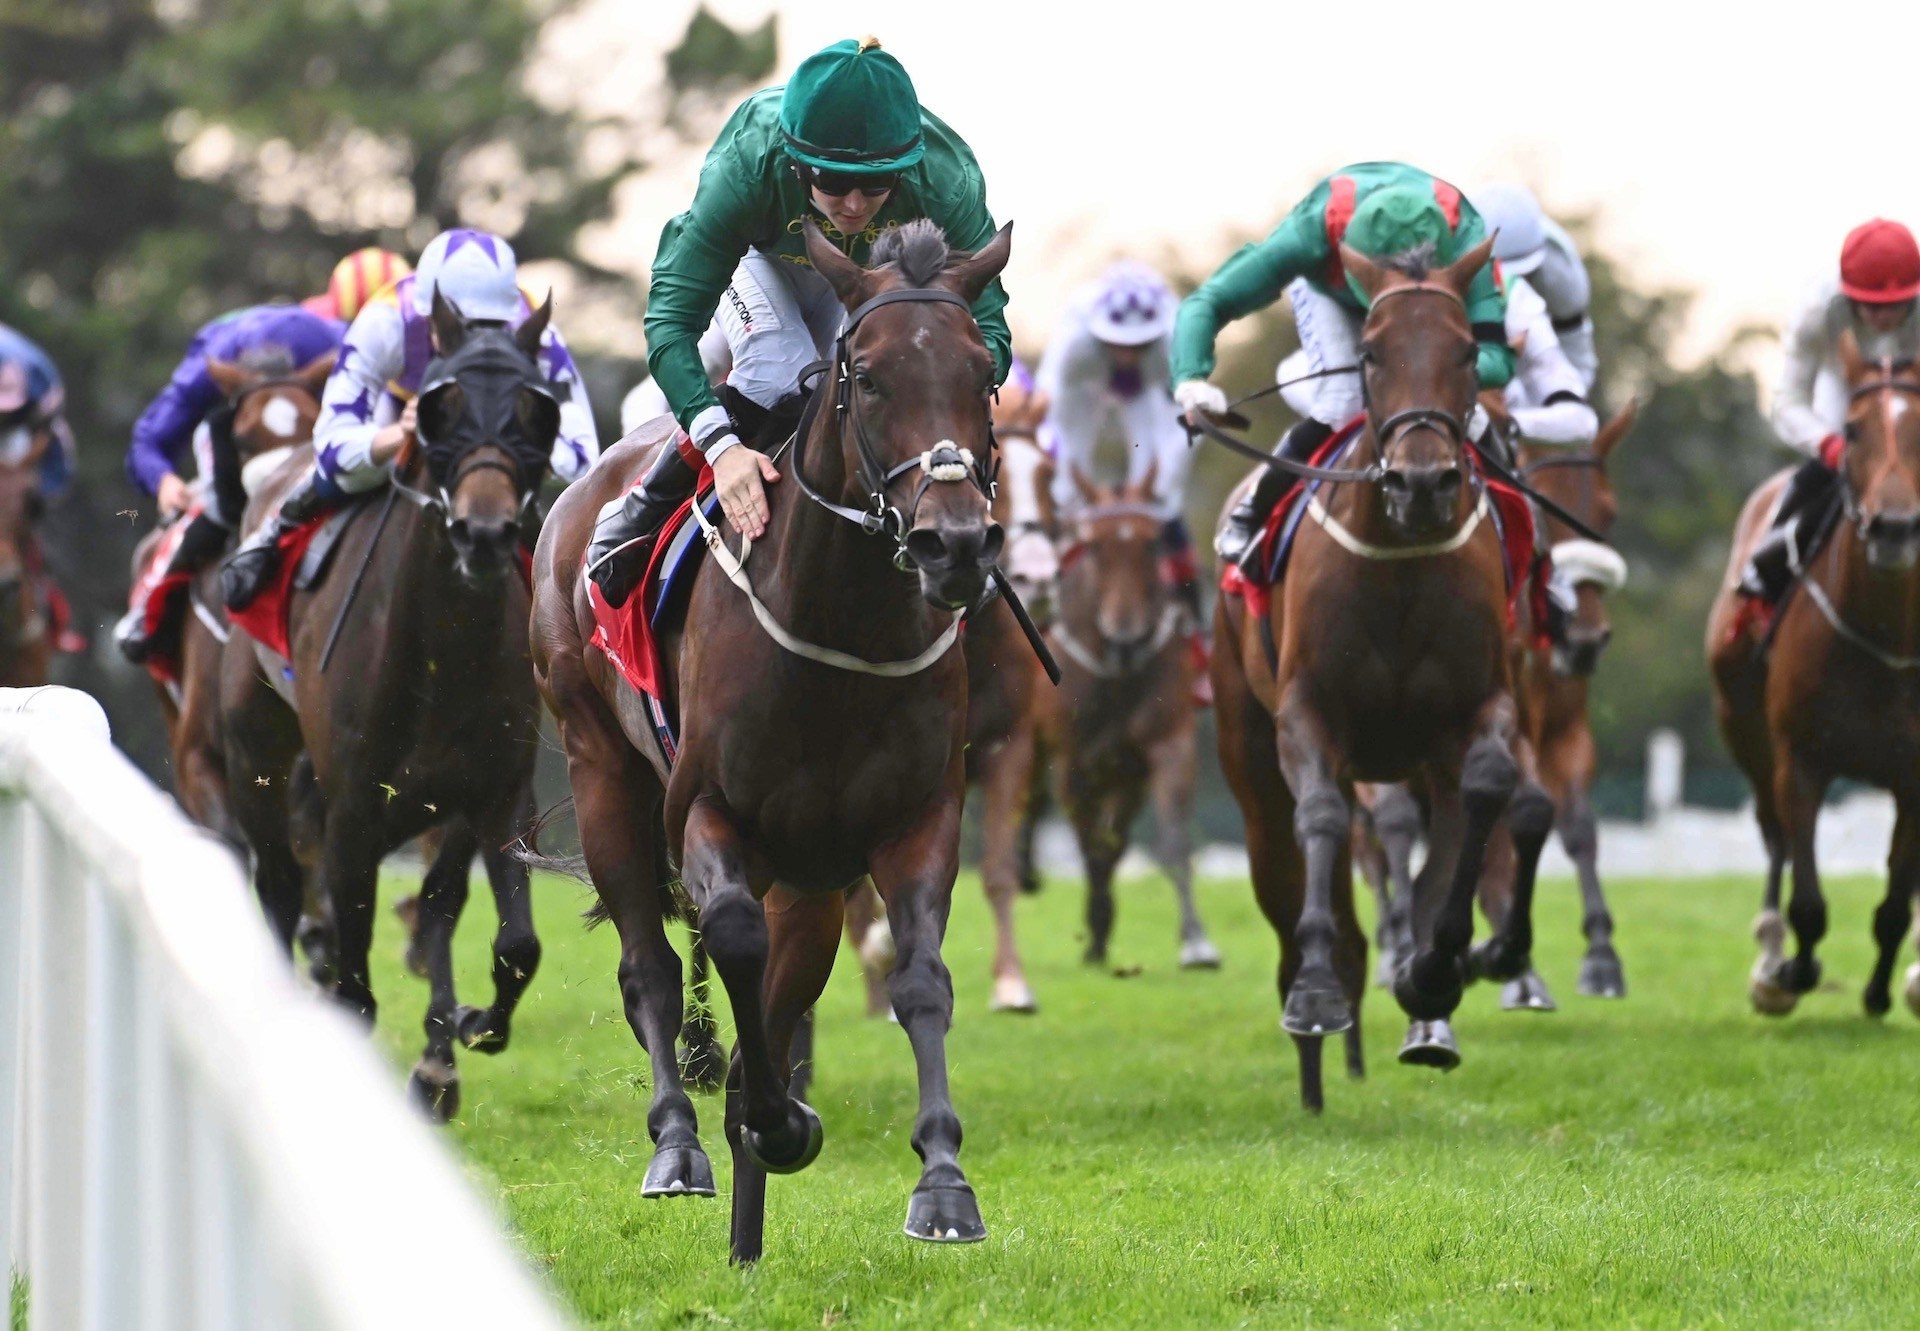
187	1138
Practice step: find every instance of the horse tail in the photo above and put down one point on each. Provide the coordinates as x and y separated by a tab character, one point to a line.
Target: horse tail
526	849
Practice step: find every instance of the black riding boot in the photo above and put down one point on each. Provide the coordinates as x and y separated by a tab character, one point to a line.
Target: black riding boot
1238	538
1804	508
623	535
250	568
199	546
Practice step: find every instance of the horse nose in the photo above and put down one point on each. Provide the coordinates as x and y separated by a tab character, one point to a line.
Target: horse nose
1894	525
1439	482
482	540
943	548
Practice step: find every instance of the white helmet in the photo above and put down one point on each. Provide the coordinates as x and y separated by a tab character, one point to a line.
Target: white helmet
1514	214
1132	305
474	270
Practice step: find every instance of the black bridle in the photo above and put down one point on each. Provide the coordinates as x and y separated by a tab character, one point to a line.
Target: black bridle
521	470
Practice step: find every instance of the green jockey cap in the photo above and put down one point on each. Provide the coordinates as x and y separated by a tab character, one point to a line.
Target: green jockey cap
852	109
1392	221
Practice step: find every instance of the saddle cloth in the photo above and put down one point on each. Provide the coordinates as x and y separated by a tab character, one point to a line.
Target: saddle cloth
1512	519
157	592
306	552
629	636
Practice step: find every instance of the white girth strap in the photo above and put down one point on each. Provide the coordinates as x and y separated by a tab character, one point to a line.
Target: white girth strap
1368	550
736	571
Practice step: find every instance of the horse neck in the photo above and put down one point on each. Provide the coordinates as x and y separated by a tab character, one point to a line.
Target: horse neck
453	621
1882	605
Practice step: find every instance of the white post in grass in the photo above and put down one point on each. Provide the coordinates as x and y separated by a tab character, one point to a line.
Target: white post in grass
1666	773
187	1138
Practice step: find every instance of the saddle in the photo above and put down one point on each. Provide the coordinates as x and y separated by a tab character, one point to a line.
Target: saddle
629	636
306	553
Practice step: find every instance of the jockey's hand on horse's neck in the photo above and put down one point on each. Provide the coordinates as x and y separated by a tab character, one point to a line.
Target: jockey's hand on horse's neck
391	439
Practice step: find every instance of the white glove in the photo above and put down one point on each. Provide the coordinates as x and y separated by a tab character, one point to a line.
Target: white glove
1198	394
1477	422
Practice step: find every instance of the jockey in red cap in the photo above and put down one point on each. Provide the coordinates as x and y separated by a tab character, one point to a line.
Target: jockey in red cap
1873	299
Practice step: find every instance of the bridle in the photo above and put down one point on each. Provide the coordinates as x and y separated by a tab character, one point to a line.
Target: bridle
464	465
945	463
1886	383
1437	419
1105	662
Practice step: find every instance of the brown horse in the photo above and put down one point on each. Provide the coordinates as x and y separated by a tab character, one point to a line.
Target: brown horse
191	707
823	726
26	627
1837	695
1126	727
1383	657
426	718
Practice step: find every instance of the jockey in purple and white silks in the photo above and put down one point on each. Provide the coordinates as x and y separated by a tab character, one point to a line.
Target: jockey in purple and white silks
367	412
1527	243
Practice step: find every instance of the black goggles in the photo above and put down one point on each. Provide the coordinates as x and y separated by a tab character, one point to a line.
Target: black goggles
839	184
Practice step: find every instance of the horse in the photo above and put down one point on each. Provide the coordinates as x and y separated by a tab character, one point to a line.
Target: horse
1383	657
1837	692
428	718
272	414
26	627
1126	730
823	716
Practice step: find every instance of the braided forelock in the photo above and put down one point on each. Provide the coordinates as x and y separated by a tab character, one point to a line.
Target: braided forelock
1417	262
918	248
267	360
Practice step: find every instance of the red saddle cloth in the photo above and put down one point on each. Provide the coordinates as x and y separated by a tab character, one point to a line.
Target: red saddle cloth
157	592
1512	517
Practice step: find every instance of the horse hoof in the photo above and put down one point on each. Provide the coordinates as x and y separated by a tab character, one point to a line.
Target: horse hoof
475	1028
316	944
434	1089
678	1171
1199	954
703	1066
1770	931
1315	1007
1601	976
945	1215
1876	1000
803	1135
1011	994
1529	993
1430	1044
877	952
1430	992
1094	956
1913	989
1768	996
1497	959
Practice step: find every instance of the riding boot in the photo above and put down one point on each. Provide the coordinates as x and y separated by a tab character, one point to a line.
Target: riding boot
1238	541
250	568
623	534
1804	504
199	545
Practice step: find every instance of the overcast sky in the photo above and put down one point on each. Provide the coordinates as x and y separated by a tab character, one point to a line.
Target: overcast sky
1725	148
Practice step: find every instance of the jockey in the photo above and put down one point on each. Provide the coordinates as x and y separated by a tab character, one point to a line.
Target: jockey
1873	299
357	279
1385	210
1532	245
1107	366
1547	396
279	338
32	403
367	413
847	144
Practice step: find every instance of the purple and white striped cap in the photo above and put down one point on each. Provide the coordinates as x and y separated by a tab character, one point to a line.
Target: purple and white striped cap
474	269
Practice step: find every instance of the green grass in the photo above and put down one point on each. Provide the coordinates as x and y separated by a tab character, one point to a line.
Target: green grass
1669	1160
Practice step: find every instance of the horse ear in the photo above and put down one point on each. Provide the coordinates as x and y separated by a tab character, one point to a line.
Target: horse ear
1853	366
972	273
1460	273
230	378
449	325
842	273
313	375
527	336
1615	430
1083	483
1143	488
1370	275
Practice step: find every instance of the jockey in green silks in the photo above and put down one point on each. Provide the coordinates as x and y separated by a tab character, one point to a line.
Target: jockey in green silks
1388	211
846	144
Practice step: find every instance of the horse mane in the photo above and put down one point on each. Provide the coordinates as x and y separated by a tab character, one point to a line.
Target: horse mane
918	248
1416	263
267	360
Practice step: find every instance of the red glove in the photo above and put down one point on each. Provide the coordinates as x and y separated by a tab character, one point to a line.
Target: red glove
1831	449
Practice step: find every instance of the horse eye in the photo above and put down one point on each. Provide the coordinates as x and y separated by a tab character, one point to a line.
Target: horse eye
864	380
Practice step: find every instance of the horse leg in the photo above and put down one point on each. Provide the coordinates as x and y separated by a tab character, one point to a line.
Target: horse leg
802	938
1170	764
350	851
872	942
915	877
1316	1003
435	1083
1508	955
1467	802
1005	784
1100	851
1895	912
1397	821
516	947
703	1063
1601	974
1798	793
1371	861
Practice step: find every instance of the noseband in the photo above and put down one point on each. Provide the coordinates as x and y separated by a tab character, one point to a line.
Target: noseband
946	462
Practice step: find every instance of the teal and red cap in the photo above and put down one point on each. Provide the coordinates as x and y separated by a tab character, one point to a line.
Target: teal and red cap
1880	263
851	109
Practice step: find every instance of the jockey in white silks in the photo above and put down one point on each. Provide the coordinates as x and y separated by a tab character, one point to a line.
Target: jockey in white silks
1527	243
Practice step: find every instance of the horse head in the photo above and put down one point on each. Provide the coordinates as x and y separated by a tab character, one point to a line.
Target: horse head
1578	482
1880	468
274	406
916	381
1417	358
1117	540
488	419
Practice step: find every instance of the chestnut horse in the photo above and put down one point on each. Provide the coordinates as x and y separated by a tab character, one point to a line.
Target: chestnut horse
1126	716
1383	657
26	626
427	717
823	725
1837	694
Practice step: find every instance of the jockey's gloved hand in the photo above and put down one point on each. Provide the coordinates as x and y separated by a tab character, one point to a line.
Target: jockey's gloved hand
1197	395
1831	450
740	478
1478	423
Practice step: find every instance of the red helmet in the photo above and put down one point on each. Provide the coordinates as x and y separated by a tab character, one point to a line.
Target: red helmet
1880	264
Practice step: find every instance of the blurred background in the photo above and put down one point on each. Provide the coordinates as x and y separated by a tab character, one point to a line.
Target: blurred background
162	161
